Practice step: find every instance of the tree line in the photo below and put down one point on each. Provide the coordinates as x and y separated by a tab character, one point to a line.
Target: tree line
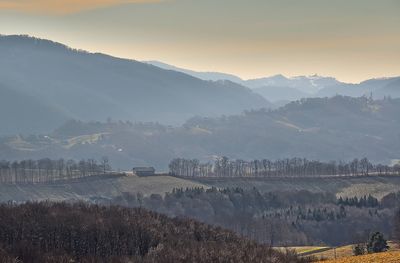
290	167
365	201
47	170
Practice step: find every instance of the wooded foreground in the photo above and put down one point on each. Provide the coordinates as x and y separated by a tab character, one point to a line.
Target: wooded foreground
60	232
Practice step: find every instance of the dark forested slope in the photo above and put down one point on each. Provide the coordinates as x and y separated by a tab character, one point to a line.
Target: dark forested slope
47	232
279	218
72	84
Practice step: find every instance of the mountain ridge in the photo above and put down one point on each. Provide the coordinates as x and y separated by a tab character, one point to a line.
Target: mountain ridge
87	86
278	87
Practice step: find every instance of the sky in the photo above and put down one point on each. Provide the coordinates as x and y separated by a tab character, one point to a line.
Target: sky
351	40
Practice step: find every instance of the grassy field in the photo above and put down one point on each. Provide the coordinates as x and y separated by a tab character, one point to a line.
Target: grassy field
106	186
377	186
386	257
84	139
328	254
305	250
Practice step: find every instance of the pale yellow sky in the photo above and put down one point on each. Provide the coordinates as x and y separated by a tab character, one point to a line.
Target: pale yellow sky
351	40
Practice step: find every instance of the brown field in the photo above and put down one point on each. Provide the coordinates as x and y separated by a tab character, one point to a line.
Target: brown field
304	250
385	257
347	251
327	254
107	186
341	252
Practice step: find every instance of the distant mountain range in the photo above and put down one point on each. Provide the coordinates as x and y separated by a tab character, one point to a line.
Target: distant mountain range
338	128
44	83
213	76
280	88
378	88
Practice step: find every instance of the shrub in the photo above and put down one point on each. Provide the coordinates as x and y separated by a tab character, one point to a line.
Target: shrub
377	243
359	249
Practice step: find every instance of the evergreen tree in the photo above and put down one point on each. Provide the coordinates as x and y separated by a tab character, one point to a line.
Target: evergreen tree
377	243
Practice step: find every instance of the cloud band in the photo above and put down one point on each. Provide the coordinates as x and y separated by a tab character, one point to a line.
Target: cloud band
60	7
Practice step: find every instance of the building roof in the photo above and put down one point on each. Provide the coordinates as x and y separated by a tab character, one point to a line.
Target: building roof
144	169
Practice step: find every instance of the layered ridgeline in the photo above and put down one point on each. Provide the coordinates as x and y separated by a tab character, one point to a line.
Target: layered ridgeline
281	89
43	84
339	128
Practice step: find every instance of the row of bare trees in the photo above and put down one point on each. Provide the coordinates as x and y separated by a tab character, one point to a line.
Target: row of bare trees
294	167
47	170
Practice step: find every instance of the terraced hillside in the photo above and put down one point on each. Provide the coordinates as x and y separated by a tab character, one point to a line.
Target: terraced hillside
109	186
377	186
95	187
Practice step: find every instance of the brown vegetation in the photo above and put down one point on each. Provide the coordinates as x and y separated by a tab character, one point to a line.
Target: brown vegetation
60	232
387	257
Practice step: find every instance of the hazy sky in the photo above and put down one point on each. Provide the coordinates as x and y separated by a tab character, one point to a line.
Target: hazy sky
350	39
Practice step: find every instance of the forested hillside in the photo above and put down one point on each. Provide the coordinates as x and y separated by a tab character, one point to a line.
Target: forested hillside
339	128
46	83
280	218
60	232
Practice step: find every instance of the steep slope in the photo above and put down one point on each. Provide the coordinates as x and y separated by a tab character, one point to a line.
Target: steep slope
22	113
86	86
